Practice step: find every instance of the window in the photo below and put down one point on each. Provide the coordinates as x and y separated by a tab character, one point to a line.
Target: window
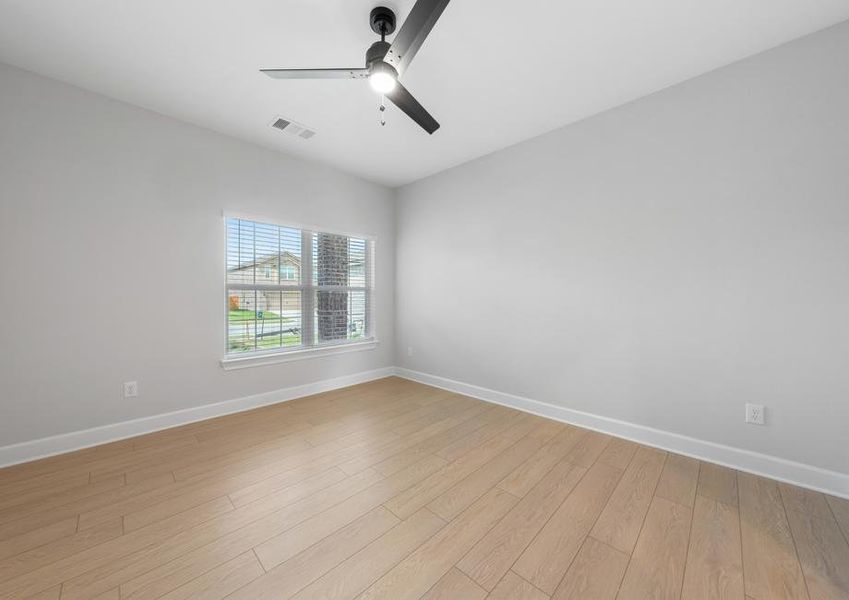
288	272
319	295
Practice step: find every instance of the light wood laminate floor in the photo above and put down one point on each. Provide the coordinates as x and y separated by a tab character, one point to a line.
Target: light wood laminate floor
396	490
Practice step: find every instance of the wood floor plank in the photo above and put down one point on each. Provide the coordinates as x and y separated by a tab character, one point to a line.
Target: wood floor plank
455	500
806	501
245	494
454	585
33	559
49	594
718	483
513	587
679	479
416	574
770	566
22	518
224	464
37	537
358	572
408	426
595	573
104	557
588	449
619	453
221	581
409	449
823	553
419	495
221	460
657	565
840	510
432	439
98	509
288	578
547	558
490	559
258	520
620	522
278	548
288	483
469	442
193	556
524	477
282	534
714	561
19	495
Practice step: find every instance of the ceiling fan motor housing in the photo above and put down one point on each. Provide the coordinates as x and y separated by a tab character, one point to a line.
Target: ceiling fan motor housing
376	52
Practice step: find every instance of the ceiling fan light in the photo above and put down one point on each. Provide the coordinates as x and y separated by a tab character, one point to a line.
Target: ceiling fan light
382	82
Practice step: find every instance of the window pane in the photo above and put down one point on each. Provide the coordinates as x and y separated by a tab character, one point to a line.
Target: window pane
262	253
356	315
340	316
267	243
331	269
330	259
240	251
331	310
289	266
263	320
356	262
241	320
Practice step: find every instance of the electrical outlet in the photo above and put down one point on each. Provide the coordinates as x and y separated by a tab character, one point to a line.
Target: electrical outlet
131	389
409	350
755	414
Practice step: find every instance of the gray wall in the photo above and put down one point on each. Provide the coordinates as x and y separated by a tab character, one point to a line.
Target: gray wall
112	245
662	263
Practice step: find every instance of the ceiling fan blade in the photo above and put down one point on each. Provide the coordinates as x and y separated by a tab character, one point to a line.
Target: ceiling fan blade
357	73
404	100
413	32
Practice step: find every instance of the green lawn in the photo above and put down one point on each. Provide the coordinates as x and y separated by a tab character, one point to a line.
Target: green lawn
267	342
249	315
270	322
274	341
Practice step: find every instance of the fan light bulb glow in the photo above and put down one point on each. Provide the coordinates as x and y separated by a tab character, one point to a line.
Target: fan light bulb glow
382	82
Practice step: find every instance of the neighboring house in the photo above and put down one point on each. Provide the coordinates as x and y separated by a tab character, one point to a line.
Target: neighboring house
286	267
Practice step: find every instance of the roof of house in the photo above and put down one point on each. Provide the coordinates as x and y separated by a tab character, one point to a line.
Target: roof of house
288	257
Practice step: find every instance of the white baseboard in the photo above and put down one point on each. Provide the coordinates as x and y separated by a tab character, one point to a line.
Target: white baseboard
815	478
77	440
830	482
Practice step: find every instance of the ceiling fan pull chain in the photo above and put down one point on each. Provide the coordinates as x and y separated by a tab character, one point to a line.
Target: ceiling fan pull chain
382	110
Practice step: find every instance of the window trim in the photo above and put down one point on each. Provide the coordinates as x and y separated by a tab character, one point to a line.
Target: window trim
270	357
230	361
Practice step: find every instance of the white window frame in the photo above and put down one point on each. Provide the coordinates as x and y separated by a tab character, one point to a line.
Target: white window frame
257	358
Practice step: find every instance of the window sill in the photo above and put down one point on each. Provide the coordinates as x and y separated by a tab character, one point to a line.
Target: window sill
231	363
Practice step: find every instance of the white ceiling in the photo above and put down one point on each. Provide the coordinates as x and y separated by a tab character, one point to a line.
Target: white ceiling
492	72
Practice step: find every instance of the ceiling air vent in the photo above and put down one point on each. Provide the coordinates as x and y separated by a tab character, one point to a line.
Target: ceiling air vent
292	128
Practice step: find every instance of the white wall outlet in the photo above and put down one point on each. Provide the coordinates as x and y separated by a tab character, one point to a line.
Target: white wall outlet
131	389
755	414
409	350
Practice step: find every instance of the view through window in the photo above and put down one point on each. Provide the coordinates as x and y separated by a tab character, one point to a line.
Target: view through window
291	288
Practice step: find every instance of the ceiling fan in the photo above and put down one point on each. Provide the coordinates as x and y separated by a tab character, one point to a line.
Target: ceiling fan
385	61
